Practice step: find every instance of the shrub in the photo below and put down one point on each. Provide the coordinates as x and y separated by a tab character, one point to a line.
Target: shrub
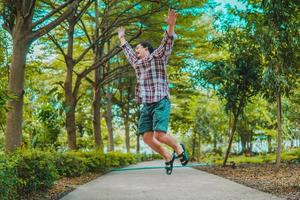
293	156
95	161
26	171
8	179
35	170
147	157
70	164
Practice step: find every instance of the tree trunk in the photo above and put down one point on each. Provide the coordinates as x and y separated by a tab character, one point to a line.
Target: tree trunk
244	143
232	130
97	119
215	142
193	146
108	118
269	138
70	110
13	135
229	124
97	92
70	98
199	148
127	132
138	143
279	137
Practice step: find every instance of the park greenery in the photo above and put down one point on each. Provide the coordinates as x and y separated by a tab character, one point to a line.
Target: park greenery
67	91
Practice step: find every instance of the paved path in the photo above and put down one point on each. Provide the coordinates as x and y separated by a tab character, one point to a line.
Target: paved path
154	184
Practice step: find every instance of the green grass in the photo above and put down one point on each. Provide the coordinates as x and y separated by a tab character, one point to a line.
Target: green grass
288	156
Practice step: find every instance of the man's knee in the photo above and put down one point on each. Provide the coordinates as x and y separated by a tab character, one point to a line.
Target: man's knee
148	137
159	135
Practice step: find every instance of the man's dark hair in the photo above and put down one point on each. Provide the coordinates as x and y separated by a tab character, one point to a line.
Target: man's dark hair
147	45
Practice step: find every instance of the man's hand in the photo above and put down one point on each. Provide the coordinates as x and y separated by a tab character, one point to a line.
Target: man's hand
121	35
171	19
121	32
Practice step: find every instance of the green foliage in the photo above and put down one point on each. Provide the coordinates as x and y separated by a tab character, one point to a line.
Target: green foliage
277	34
118	159
49	117
8	178
95	161
26	171
237	78
70	164
35	170
288	156
292	156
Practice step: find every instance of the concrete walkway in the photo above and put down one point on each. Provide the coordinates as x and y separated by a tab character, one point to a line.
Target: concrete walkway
154	184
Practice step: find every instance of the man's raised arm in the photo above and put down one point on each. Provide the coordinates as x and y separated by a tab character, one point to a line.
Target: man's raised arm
128	51
165	48
171	21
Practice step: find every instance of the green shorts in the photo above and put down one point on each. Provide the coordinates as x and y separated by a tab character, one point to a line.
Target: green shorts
155	116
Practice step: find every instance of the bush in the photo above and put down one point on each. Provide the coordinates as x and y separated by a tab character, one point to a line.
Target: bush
118	159
292	156
31	170
70	164
147	157
94	161
26	171
8	179
35	170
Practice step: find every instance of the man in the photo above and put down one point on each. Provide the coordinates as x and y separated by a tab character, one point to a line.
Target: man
153	92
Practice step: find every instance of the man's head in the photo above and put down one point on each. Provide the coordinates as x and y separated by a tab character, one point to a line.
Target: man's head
143	49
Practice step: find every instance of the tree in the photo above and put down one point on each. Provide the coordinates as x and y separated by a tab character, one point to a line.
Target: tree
3	78
101	58
24	27
276	28
113	14
124	98
71	91
236	79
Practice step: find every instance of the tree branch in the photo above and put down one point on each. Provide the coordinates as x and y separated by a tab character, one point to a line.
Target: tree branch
90	81
61	84
115	22
7	28
108	56
30	10
115	74
77	99
42	31
87	5
52	38
83	27
51	14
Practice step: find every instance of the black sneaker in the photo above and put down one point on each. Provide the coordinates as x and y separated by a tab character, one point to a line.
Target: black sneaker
169	165
183	157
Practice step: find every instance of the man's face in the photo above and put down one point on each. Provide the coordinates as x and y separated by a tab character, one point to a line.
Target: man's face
141	51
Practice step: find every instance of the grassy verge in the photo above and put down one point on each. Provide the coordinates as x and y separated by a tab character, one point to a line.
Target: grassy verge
292	156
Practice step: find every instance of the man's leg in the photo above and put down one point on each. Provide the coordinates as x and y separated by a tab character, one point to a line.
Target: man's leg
150	140
168	140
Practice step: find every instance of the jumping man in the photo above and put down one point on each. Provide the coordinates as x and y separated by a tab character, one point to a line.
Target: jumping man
153	92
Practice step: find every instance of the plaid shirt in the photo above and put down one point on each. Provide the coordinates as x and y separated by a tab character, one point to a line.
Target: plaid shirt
151	73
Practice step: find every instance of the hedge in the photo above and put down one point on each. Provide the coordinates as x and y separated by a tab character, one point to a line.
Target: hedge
35	170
